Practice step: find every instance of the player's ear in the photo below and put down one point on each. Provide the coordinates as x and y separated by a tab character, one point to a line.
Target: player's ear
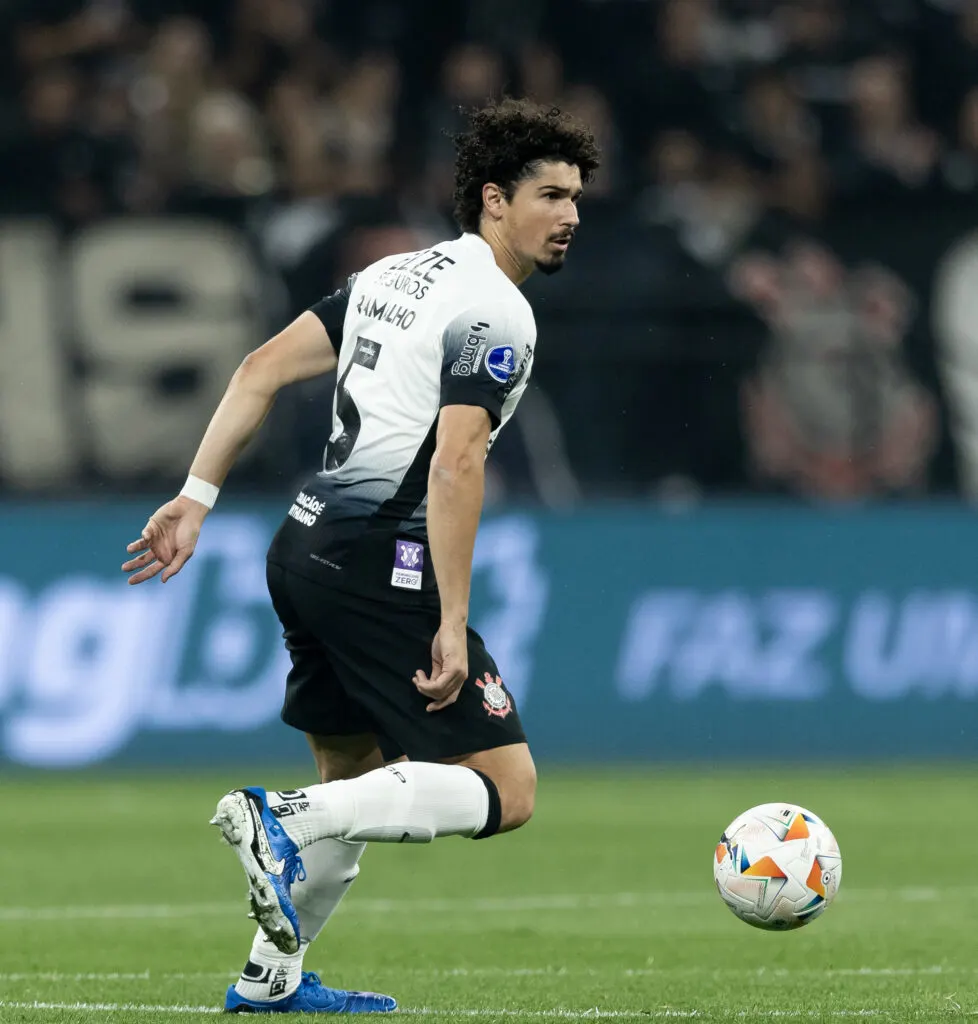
493	200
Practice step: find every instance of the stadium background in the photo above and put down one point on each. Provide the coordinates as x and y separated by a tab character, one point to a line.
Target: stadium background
733	517
730	537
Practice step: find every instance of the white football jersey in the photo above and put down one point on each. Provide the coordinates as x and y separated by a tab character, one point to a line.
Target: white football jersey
415	332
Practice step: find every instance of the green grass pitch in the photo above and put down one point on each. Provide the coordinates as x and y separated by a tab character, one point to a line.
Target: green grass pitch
118	903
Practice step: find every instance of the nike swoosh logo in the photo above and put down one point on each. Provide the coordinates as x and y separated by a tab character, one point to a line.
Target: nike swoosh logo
265	855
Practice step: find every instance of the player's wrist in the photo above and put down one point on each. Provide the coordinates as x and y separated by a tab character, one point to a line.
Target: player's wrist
200	491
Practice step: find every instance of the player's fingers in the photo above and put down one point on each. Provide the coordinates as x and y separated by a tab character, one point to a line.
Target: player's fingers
425	685
138	563
146	539
442	704
437	686
445	701
178	561
444	690
146	574
440	679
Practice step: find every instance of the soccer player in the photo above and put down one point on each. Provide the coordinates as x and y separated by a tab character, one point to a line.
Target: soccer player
413	731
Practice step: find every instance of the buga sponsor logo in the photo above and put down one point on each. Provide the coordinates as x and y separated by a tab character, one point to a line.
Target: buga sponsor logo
89	662
475	344
796	644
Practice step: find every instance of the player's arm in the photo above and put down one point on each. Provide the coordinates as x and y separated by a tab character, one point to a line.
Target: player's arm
456	485
303	350
306	348
471	407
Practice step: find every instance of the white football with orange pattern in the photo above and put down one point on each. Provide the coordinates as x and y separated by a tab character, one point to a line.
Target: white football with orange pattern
777	866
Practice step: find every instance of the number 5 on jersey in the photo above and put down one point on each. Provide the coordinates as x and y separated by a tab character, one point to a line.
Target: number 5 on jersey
340	448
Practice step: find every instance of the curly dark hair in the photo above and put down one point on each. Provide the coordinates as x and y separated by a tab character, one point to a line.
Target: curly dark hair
503	145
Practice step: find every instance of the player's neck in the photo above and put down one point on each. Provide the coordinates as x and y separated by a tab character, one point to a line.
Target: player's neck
504	256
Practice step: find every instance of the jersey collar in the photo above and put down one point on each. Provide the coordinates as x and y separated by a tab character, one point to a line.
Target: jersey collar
477	244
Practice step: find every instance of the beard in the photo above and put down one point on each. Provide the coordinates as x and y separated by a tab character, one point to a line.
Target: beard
551	266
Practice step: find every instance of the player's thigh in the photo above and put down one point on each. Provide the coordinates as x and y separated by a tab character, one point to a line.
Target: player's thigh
315	700
484	717
514	775
376	647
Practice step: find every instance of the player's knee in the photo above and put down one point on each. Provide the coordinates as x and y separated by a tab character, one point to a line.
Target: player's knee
517	811
517	799
511	782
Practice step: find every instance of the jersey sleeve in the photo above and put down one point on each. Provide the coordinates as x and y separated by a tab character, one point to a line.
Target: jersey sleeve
482	362
332	312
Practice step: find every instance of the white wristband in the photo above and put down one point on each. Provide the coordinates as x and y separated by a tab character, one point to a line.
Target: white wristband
200	490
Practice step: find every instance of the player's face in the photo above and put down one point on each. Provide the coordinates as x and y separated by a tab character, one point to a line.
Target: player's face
542	217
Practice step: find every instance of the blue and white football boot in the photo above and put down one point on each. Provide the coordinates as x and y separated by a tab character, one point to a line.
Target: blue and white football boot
312	996
270	859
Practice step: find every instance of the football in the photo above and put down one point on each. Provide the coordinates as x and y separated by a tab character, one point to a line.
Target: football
777	866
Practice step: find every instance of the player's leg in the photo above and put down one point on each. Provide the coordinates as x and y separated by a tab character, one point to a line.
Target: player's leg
332	865
272	980
345	757
416	801
375	648
514	776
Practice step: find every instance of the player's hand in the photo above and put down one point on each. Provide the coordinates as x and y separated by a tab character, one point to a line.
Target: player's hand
167	541
449	667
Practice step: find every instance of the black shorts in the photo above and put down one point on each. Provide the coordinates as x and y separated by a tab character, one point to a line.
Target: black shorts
353	661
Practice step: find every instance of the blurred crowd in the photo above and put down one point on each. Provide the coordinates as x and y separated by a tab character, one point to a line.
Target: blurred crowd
145	106
295	118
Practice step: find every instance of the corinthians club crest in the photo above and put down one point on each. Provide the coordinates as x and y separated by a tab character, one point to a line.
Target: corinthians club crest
494	698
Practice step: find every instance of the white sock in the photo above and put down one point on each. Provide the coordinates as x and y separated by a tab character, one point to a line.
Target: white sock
408	802
269	975
331	866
